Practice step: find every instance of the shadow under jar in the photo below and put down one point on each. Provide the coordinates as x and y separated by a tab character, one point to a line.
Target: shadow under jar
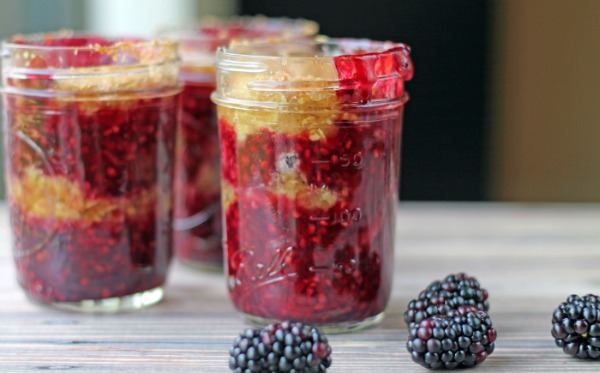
89	127
310	138
197	222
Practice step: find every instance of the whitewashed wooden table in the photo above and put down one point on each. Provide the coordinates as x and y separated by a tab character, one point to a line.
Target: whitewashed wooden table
529	257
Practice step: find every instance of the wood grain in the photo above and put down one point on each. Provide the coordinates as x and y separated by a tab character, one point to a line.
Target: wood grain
530	257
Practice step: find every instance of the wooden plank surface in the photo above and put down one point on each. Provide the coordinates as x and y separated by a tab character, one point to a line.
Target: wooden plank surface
529	257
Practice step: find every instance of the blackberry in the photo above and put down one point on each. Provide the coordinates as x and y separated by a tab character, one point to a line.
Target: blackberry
281	348
576	326
442	296
247	352
462	339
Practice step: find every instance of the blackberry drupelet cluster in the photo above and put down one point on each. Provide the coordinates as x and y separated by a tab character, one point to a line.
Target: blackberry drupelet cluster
448	324
442	296
281	348
461	339
576	326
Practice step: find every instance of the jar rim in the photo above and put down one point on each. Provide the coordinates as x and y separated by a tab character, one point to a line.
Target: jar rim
89	41
68	61
213	30
198	41
327	48
65	45
254	55
282	72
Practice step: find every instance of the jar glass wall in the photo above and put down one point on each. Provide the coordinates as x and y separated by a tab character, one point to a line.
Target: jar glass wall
310	137
197	224
89	127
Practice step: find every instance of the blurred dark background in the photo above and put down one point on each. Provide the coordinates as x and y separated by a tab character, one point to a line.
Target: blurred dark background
445	124
504	102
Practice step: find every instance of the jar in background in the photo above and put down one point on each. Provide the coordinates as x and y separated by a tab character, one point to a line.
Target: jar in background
197	221
89	127
310	137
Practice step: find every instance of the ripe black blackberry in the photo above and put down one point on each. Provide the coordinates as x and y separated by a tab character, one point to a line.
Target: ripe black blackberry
464	339
248	352
576	326
281	348
442	296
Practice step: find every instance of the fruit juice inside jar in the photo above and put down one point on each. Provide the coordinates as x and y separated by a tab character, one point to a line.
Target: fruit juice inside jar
197	221
90	125
310	138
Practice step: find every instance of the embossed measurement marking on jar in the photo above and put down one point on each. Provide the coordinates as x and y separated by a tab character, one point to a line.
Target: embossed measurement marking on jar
336	267
345	216
348	215
277	269
343	160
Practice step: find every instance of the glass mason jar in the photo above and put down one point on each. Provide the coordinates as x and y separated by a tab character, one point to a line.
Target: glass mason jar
310	139
89	126
197	222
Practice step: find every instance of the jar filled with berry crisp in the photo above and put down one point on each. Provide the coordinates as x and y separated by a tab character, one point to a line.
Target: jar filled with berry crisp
310	138
197	220
89	126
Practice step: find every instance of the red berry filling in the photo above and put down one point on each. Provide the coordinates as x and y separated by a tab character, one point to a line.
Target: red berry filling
89	196
197	235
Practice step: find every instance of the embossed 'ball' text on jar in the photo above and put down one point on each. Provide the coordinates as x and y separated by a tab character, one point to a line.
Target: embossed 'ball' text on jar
197	235
89	127
310	142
